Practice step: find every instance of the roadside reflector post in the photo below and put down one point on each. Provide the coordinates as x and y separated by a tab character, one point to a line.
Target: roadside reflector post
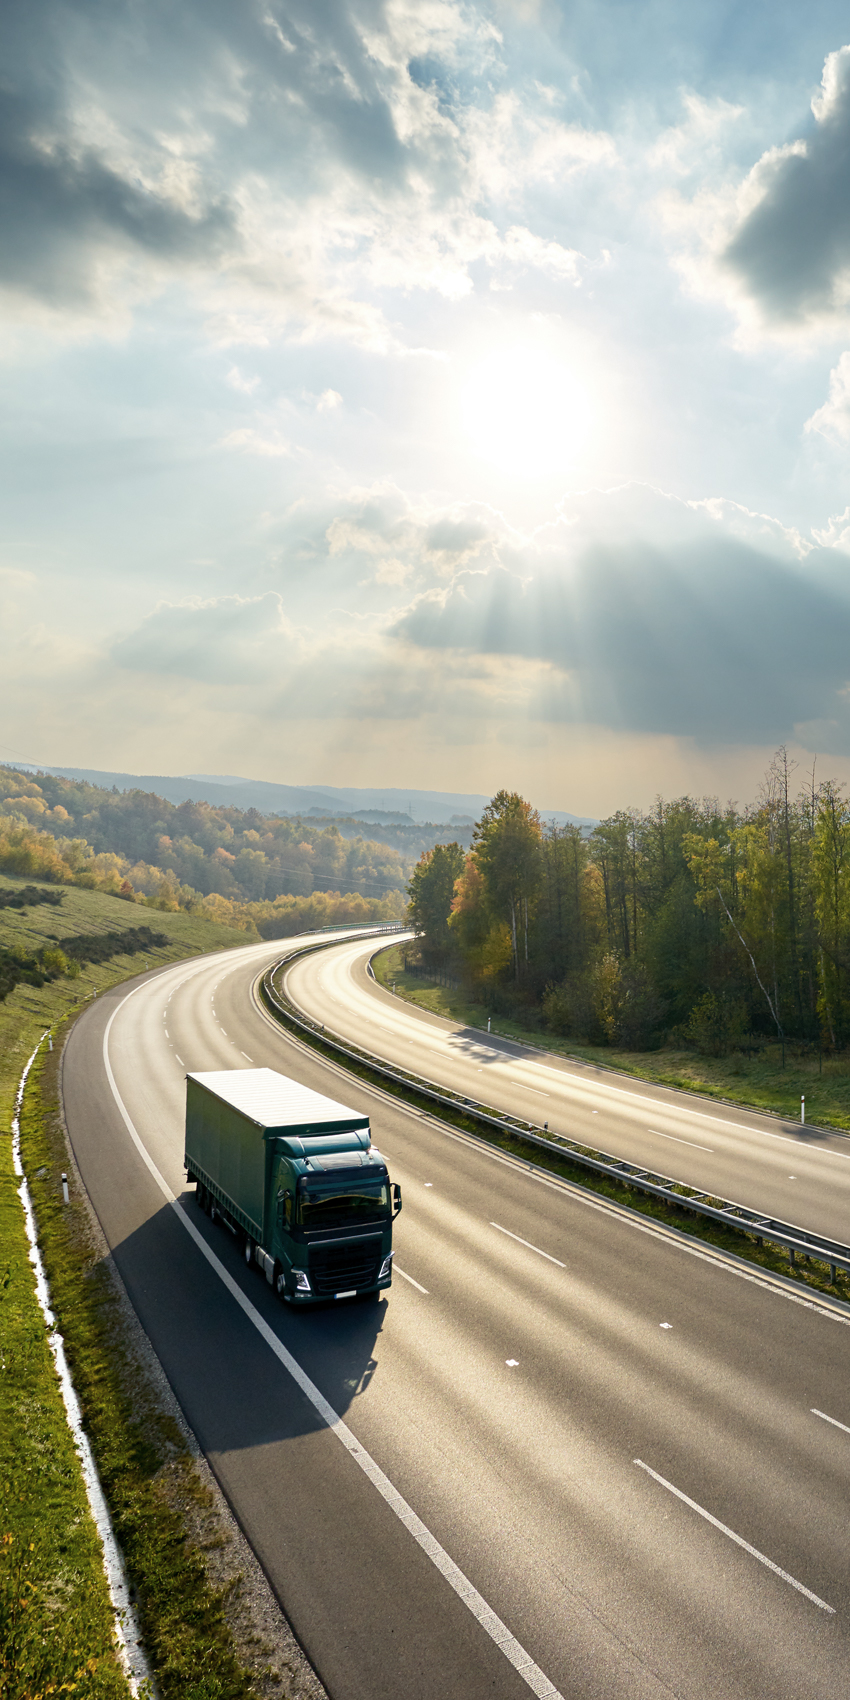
65	1198
50	1041
832	1274
803	1110
489	1018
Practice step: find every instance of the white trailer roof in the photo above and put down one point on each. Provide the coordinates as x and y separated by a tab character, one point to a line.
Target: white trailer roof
273	1101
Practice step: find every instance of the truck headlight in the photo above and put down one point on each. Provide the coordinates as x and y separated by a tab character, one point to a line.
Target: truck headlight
302	1285
384	1270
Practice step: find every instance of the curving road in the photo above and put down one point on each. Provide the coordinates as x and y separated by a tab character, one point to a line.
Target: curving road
798	1174
581	1456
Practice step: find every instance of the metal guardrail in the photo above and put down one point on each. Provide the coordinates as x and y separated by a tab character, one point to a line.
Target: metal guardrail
358	926
796	1241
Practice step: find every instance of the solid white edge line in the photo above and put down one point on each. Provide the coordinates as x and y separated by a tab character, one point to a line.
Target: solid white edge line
833	1420
493	1626
738	1539
528	1245
419	1289
129	1645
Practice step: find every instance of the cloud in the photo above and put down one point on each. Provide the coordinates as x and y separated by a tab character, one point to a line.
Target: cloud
68	209
227	641
833	419
791	250
264	443
283	166
699	633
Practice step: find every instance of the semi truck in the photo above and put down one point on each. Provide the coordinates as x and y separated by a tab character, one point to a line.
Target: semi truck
296	1178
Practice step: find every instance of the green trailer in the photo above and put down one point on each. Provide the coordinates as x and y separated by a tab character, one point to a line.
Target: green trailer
296	1177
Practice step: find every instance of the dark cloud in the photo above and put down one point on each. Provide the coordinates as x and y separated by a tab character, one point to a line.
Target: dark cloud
58	210
713	640
99	104
793	249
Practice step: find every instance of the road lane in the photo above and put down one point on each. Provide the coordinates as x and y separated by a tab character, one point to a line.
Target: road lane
798	1174
506	1403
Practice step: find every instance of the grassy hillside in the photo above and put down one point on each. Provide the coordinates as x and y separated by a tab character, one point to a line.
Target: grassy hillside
29	1009
55	1617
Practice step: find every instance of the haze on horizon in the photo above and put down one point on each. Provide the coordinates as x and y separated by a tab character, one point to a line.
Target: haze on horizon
416	393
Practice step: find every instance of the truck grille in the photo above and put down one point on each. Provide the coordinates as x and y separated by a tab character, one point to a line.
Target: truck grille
340	1268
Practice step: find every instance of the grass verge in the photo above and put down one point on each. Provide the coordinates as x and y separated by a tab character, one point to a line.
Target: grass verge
143	1460
807	1272
756	1082
55	1614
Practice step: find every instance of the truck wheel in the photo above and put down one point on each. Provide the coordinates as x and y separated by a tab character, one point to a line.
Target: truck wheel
280	1284
201	1197
248	1250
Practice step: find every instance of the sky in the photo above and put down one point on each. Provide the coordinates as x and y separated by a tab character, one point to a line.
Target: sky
406	392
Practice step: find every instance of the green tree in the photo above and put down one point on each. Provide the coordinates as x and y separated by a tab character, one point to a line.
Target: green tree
431	892
507	850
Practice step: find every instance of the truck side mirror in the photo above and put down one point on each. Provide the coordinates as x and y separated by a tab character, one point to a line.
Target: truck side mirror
396	1199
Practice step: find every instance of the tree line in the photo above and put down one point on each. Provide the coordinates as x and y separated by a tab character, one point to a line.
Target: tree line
694	922
237	854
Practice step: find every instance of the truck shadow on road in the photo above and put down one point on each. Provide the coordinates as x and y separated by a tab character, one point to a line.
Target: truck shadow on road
233	1389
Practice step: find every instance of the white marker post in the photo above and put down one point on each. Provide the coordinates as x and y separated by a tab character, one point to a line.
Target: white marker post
803	1110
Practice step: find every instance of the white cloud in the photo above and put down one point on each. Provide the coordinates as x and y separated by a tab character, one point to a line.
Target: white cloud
833	419
268	444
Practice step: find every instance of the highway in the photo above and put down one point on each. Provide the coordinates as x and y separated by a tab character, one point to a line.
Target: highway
579	1455
798	1174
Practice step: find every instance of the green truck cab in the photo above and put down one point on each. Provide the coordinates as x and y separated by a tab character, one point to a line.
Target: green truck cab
296	1177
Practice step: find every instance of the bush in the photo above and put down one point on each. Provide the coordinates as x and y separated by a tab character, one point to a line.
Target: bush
716	1025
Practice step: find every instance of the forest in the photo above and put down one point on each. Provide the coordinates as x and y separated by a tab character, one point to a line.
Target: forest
711	926
269	875
239	854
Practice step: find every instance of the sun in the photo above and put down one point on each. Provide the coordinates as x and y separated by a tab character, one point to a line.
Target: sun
527	408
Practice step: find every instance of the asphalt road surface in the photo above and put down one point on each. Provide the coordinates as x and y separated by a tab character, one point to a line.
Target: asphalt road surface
798	1174
579	1455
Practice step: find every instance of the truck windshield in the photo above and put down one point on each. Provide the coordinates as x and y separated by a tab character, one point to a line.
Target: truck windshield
343	1209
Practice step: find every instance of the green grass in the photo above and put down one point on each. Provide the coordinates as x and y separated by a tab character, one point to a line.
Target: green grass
55	1617
143	1461
758	1082
55	1614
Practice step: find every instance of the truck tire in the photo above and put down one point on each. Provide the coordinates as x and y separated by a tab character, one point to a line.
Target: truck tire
280	1283
248	1250
201	1196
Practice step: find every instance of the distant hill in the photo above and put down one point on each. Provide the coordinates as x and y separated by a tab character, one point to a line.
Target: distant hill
385	805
